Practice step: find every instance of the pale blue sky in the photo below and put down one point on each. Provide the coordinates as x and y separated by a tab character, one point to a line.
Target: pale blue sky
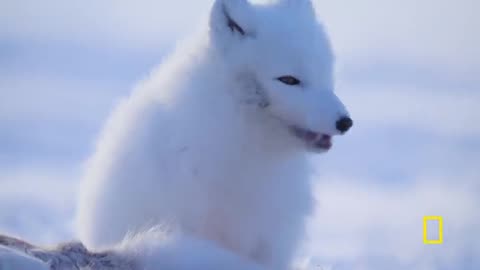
407	70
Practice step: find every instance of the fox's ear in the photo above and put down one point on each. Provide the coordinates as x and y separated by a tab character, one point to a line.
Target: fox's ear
232	17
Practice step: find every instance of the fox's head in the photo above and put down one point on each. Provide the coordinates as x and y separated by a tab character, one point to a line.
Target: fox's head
286	52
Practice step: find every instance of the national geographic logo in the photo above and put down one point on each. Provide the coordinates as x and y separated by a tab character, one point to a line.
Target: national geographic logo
433	219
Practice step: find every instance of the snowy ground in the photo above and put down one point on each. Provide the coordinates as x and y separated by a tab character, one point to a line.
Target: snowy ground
408	70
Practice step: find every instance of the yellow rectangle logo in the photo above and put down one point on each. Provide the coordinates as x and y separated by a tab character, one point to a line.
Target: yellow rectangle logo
440	230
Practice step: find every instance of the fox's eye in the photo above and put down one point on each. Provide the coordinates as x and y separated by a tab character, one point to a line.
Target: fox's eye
290	80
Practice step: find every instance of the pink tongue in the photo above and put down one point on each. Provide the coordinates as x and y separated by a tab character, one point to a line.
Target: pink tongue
324	142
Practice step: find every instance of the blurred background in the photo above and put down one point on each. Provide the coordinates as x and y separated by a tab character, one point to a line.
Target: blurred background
409	71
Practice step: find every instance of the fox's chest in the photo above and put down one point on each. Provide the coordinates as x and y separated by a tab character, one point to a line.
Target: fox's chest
242	232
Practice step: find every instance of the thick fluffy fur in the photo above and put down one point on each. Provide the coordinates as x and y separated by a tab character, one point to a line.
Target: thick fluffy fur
205	146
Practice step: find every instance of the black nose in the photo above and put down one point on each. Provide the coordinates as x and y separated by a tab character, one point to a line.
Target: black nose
344	124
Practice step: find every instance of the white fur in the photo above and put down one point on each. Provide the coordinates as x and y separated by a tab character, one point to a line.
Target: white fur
152	250
193	147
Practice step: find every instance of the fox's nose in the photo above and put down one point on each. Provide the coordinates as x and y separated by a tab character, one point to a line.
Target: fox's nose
344	124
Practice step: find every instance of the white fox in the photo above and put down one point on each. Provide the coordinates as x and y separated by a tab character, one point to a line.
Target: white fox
214	145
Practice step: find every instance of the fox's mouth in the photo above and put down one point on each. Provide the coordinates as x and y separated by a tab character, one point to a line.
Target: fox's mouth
315	141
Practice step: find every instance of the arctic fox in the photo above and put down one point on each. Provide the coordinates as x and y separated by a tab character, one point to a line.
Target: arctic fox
214	145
